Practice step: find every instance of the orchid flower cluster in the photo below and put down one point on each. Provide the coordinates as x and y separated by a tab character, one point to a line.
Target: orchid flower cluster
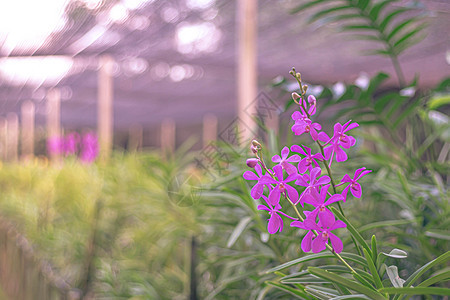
73	144
299	166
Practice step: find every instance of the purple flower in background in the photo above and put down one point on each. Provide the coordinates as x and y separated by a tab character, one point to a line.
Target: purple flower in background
71	143
320	204
307	162
284	161
312	183
55	145
339	139
354	186
327	223
303	124
281	186
275	222
89	148
258	189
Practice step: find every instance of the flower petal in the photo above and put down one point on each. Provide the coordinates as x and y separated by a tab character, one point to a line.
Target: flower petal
284	152
274	224
338	224
327	220
278	172
249	175
306	242
257	191
336	243
274	196
298	224
298	149
263	207
340	155
276	158
266	179
318	244
293	194
356	190
334	198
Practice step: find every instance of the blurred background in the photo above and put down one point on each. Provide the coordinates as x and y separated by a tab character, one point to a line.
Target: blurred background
168	94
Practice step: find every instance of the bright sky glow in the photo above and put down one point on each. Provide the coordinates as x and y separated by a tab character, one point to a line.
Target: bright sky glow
25	24
197	38
34	71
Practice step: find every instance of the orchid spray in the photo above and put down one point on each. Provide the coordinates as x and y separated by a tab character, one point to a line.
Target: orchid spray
301	178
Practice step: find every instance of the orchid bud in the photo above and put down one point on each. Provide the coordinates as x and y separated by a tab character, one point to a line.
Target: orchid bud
311	100
252	162
295	96
254	149
305	87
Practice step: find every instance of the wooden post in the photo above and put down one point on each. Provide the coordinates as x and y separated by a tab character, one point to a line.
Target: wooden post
168	135
53	122
3	136
12	133
135	137
209	129
27	129
105	106
247	67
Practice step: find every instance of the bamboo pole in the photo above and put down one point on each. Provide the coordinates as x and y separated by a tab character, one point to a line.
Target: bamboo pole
105	106
135	138
12	133
53	122
28	111
209	129
168	135
247	67
3	136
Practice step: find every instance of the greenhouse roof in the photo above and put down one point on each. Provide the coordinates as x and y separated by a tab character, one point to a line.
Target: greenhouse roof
177	58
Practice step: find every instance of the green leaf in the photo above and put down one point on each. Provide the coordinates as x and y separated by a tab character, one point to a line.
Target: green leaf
308	4
374	249
439	260
400	26
392	273
389	17
358	27
362	4
440	277
325	12
354	296
319	293
350	256
438	101
396	253
373	269
416	291
377	8
385	224
409	36
352	229
438	234
347	283
240	227
376	81
288	289
382	102
304	280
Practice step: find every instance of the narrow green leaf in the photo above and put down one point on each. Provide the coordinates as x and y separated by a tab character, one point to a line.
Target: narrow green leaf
352	229
416	291
364	280
345	17
408	36
440	277
374	249
406	112
354	296
400	26
288	289
238	230
358	27
389	17
373	269
438	101
382	102
362	4
439	260
376	81
377	8
438	234
325	12
318	294
396	253
308	4
350	256
385	224
304	280
347	283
